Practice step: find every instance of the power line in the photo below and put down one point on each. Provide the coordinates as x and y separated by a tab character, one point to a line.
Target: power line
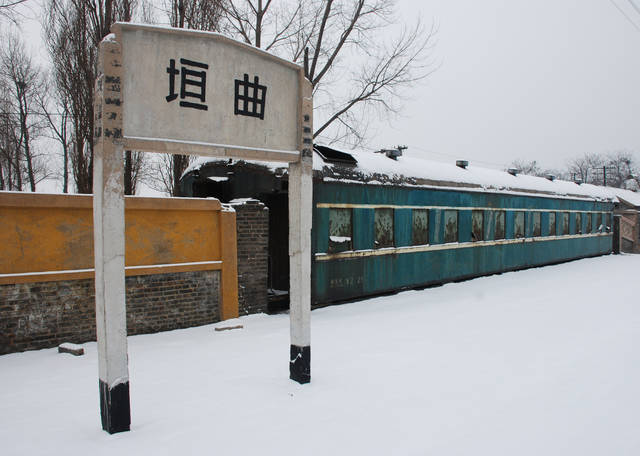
36	113
634	6
456	157
625	14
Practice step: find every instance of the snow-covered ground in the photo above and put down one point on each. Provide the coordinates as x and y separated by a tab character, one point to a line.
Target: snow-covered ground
538	362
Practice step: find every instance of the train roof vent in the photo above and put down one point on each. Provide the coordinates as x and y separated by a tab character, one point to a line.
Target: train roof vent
393	154
330	155
462	164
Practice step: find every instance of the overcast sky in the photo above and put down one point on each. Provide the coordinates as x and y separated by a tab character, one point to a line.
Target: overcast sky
545	80
542	80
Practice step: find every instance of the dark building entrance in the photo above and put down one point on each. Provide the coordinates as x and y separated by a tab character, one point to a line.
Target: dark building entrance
227	180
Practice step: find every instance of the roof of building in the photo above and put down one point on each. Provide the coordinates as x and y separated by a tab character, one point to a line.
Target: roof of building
375	168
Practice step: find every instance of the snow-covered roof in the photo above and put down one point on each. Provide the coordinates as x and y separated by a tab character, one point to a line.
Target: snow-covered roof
427	172
628	196
376	168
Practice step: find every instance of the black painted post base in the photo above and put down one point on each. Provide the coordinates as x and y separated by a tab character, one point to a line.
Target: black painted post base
300	364
114	407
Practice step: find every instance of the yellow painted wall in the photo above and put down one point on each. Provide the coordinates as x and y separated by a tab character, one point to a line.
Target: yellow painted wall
55	232
50	234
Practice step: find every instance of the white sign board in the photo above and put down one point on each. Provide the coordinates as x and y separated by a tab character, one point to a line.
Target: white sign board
186	92
201	90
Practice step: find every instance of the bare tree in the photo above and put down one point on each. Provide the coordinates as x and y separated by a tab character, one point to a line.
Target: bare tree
10	169
146	12
530	168
620	166
161	175
344	43
533	168
55	108
583	167
135	169
194	14
616	169
8	10
73	31
73	57
22	80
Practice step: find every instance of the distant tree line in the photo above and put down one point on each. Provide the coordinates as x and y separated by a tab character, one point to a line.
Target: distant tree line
619	169
360	41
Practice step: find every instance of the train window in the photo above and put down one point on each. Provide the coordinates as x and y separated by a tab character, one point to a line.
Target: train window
552	223
450	226
565	223
608	227
599	227
518	222
340	230
477	225
579	223
383	224
589	226
420	227
499	230
536	224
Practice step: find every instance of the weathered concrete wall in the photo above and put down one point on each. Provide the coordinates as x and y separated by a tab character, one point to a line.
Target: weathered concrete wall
252	222
44	314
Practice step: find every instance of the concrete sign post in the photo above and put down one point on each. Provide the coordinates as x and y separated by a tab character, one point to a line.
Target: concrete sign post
108	242
300	208
189	92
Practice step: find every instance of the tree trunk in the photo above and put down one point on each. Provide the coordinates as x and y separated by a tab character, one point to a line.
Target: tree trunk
259	15
27	154
27	146
18	172
181	13
180	163
65	155
82	171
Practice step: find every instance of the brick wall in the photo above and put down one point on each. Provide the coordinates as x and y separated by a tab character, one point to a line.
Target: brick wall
45	314
252	225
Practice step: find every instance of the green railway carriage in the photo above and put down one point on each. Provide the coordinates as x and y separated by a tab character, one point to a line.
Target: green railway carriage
383	222
370	239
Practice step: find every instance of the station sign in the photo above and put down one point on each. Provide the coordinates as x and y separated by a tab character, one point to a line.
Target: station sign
206	94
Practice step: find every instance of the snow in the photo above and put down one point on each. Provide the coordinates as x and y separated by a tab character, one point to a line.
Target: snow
448	175
371	164
201	161
111	37
626	195
70	346
537	362
241	201
218	178
340	239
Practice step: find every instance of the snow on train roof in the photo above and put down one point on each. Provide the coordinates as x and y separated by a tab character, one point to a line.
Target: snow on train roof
448	174
377	168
